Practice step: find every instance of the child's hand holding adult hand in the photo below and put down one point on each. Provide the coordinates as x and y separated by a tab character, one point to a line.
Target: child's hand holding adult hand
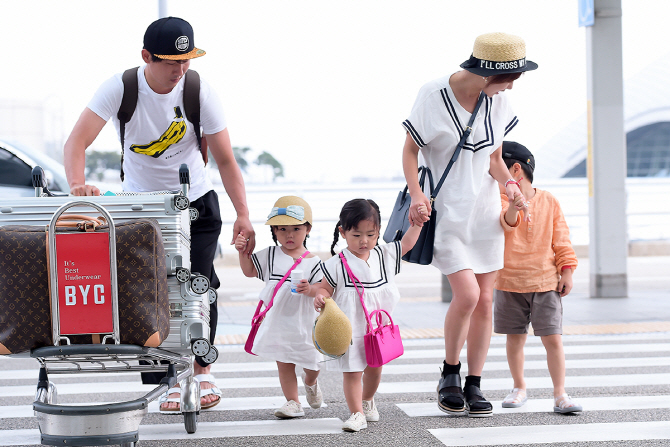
241	242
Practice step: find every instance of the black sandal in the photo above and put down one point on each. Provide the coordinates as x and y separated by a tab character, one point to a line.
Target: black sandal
450	397
479	406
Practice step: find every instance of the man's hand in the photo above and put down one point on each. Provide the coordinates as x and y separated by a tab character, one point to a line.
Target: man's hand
84	190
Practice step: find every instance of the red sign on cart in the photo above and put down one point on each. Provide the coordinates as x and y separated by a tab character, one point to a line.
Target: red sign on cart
84	283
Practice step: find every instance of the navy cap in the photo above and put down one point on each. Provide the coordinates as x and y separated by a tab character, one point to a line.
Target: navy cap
171	38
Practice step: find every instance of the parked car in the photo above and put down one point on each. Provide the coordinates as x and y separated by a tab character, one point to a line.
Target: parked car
16	165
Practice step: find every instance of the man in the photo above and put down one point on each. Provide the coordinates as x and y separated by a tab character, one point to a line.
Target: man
156	141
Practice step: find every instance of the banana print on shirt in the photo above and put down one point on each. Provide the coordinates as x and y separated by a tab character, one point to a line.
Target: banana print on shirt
171	136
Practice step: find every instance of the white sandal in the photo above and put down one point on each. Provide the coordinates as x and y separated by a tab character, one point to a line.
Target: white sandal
209	378
564	404
165	399
515	399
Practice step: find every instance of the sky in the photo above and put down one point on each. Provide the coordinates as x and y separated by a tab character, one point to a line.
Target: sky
321	85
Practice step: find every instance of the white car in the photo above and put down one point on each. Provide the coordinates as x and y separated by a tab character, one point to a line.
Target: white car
16	165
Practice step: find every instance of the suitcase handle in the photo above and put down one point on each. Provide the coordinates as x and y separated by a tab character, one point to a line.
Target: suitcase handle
81	221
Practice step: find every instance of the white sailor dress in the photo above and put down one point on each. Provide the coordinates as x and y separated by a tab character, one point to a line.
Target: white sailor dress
381	292
285	335
468	234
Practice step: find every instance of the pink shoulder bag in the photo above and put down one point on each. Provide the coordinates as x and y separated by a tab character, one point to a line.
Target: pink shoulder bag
382	343
259	316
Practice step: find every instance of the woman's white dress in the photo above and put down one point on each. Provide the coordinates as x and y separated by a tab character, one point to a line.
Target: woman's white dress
381	292
468	233
285	335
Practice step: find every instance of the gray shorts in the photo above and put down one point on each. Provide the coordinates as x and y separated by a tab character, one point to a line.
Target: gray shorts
513	311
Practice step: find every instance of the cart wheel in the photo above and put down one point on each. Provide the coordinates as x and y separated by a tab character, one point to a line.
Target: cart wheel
182	274
181	202
191	421
128	444
200	347
200	284
194	214
212	295
211	356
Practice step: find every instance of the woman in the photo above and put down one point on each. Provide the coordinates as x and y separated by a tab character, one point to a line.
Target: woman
469	239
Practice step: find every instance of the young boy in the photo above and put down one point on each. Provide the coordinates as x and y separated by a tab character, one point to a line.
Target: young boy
539	261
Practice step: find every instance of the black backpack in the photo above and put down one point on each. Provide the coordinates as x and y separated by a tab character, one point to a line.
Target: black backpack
191	106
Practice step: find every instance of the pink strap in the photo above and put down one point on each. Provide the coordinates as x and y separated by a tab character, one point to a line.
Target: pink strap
258	316
360	292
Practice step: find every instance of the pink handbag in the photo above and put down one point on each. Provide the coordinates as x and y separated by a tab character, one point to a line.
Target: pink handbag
259	316
382	343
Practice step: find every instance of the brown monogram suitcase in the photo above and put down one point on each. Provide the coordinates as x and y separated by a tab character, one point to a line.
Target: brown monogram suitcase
25	314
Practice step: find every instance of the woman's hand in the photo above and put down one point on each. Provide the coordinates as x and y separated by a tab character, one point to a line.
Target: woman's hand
319	302
419	210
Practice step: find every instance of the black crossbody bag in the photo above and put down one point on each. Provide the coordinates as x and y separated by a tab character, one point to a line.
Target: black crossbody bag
398	224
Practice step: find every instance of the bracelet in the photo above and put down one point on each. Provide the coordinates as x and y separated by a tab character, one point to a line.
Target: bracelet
513	181
565	267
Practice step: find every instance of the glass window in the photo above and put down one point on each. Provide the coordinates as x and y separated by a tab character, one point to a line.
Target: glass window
13	171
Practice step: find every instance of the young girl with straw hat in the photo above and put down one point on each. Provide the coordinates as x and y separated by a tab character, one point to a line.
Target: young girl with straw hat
285	334
469	239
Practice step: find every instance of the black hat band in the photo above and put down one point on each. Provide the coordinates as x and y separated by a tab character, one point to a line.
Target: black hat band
495	66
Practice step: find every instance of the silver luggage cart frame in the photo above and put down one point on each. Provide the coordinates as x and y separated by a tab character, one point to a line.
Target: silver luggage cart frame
115	423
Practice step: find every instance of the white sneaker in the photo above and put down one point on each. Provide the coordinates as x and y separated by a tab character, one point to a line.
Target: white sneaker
313	394
356	422
290	409
370	411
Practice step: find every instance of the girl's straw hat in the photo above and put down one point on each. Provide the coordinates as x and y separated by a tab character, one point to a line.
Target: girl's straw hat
290	210
498	53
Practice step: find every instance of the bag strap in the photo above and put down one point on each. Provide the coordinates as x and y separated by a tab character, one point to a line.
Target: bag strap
454	157
360	292
191	106
258	316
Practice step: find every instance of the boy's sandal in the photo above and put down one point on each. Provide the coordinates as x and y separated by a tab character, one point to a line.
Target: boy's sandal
564	404
165	399
515	399
209	378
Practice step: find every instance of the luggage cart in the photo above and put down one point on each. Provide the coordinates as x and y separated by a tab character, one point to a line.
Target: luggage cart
118	423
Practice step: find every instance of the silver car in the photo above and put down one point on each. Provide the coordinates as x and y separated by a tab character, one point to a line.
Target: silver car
16	165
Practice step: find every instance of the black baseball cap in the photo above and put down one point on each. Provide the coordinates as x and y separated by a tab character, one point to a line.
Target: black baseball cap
171	38
518	152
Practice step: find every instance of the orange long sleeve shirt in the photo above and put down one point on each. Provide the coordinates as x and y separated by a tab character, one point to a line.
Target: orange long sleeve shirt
536	251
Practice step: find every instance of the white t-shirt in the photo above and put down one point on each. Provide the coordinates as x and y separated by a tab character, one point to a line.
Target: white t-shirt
468	233
158	138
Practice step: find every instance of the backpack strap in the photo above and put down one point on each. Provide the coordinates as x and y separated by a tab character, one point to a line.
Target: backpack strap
192	107
128	104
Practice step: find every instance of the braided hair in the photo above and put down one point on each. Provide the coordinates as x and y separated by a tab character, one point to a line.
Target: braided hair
354	212
274	236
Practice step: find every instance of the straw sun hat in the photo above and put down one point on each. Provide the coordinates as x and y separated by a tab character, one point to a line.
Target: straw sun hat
498	53
290	210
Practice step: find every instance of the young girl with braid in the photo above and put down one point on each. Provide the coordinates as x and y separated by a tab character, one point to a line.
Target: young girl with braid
375	266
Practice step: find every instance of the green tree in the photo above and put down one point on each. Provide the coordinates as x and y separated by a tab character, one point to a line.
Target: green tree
267	159
240	157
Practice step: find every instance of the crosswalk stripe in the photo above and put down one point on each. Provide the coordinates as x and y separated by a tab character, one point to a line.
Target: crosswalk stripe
206	430
501	339
132	387
628	380
429	409
226	404
392	368
546	434
539	350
